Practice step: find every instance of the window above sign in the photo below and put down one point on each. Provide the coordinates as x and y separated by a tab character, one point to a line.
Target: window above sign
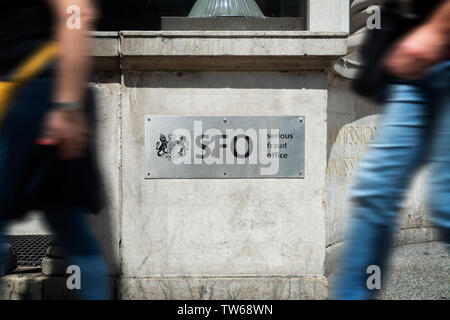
172	15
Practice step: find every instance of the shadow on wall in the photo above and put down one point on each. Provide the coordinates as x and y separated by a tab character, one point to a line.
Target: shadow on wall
346	104
106	224
220	80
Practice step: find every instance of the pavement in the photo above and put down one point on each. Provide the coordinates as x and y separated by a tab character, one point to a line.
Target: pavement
417	272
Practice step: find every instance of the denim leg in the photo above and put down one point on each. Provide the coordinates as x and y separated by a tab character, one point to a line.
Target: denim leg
383	177
439	191
3	253
73	230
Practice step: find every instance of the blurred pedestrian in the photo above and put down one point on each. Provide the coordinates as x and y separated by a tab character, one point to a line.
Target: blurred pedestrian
407	67
47	159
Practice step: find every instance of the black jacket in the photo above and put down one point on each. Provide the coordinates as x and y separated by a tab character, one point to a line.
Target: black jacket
32	177
24	26
395	23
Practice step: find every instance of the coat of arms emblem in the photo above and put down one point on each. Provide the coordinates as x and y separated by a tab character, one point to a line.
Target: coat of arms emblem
172	147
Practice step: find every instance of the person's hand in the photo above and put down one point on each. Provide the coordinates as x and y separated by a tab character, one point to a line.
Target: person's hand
68	130
414	54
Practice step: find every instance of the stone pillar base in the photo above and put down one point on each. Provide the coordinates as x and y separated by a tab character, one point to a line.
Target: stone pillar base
28	285
238	288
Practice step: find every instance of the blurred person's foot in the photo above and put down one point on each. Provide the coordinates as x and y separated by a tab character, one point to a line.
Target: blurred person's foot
8	258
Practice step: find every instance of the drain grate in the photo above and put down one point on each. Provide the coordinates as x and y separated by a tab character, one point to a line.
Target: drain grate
30	249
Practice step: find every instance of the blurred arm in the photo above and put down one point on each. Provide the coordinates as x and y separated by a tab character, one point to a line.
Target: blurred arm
67	128
74	44
423	47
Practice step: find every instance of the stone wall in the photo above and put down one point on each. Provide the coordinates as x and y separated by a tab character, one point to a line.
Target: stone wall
215	239
233	238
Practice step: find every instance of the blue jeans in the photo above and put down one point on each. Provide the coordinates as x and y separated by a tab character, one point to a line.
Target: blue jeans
414	130
73	232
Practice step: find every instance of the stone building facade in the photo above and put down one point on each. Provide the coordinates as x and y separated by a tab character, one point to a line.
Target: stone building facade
233	238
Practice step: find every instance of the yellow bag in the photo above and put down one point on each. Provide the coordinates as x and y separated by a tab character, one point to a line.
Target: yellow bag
27	70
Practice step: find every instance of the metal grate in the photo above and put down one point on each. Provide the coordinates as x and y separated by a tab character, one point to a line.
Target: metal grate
30	249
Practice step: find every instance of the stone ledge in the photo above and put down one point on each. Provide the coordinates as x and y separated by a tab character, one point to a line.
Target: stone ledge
106	44
218	50
105	50
256	288
230	50
232	34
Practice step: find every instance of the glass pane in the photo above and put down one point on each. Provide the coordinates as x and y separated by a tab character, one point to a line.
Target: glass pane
146	14
281	8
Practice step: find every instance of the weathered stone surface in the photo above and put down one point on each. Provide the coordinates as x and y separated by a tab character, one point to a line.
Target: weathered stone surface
34	286
107	89
26	285
267	288
328	15
209	228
